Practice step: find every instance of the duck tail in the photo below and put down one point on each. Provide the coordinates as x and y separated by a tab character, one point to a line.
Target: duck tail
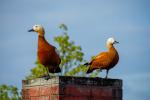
86	64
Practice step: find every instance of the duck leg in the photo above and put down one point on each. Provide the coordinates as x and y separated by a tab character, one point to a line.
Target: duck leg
107	73
48	75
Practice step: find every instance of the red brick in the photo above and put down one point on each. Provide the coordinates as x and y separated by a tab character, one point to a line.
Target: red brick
55	97
26	94
34	91
102	91
73	97
77	90
102	98
117	92
35	98
45	90
44	98
54	90
74	89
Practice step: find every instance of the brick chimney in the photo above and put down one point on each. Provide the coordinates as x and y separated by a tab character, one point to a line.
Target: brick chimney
72	88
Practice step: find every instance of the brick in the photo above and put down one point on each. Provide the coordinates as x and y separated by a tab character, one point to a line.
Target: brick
54	90
102	91
117	92
25	93
45	90
77	90
34	91
72	88
35	98
55	97
44	98
73	97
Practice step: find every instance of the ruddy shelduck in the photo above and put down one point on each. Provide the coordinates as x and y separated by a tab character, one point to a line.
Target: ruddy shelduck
46	52
105	60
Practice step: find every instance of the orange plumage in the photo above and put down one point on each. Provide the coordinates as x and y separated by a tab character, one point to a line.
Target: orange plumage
46	53
105	60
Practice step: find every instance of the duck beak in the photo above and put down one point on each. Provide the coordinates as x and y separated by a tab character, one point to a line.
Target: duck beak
116	42
31	30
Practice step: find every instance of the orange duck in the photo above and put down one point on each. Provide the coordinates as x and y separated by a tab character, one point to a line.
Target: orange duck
46	52
105	60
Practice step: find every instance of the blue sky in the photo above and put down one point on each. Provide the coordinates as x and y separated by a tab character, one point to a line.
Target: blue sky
90	23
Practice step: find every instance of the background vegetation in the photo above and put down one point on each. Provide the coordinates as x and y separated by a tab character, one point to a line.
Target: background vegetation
9	93
72	60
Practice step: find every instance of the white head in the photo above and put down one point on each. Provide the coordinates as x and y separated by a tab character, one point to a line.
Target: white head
39	29
111	41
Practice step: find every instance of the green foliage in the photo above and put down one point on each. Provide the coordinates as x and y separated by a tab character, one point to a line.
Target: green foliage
37	71
71	57
9	93
71	60
71	54
95	73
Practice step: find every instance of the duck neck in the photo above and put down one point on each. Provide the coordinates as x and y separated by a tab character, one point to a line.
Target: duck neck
41	41
41	34
111	48
41	37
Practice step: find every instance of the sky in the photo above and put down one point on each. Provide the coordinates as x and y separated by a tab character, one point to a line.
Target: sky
90	23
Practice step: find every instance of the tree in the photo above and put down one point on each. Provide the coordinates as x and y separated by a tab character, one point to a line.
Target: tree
9	93
71	58
37	71
71	54
71	65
